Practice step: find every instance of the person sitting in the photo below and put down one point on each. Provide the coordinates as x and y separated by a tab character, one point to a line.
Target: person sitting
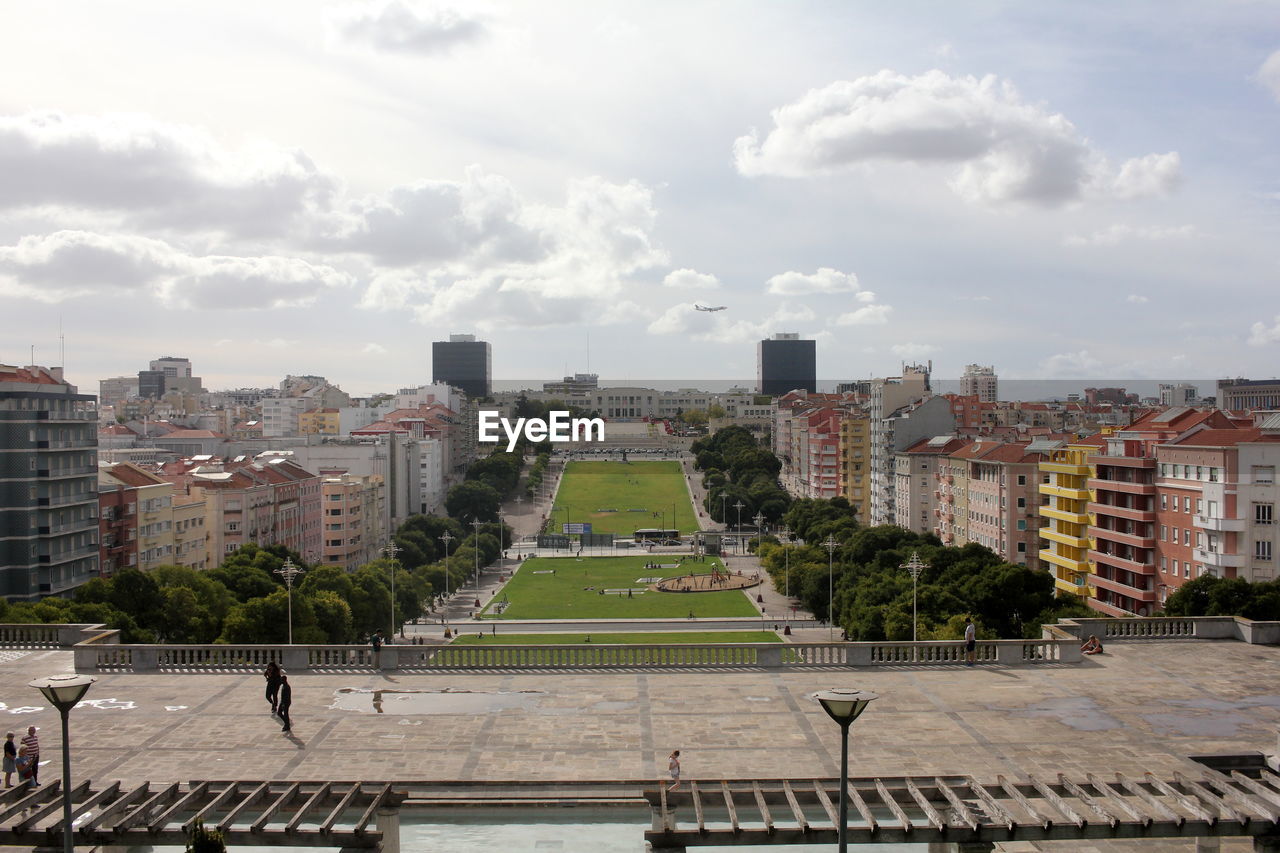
1092	646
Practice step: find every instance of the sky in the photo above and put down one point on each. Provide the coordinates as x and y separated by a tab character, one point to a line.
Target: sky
1057	189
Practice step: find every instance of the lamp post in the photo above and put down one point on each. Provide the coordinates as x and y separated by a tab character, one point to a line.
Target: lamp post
724	511
446	539
64	692
738	506
844	706
914	566
289	571
475	525
830	545
391	550
785	533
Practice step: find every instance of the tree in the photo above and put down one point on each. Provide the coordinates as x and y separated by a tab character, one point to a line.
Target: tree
471	500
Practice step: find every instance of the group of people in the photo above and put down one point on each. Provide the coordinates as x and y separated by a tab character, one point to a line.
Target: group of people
279	694
22	758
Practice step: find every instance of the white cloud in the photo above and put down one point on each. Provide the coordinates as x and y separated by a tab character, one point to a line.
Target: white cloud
1002	148
687	279
825	280
1120	233
154	174
1269	74
66	264
1137	299
868	315
374	349
1069	365
910	350
398	27
686	320
502	262
1260	335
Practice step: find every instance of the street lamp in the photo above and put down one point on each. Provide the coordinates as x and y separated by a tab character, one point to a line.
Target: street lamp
830	545
446	538
914	566
785	533
738	506
64	692
475	525
289	571
724	511
844	706
391	550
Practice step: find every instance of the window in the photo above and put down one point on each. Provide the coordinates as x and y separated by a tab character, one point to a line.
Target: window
1186	536
1022	524
1186	504
1262	549
1164	564
1164	533
1186	570
1262	513
1174	537
1264	473
1022	547
1164	502
1199	507
1175	567
1022	503
1199	539
1022	479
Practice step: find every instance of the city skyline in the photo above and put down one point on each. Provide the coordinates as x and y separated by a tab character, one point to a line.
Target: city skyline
328	189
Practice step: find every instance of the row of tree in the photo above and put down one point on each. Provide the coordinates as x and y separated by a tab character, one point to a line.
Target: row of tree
873	592
1208	595
737	470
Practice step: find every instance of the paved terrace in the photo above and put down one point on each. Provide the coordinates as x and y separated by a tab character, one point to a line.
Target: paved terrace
1142	706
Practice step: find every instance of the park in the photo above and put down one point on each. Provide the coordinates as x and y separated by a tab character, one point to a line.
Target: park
622	497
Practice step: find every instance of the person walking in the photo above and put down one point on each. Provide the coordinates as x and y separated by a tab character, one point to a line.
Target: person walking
673	767
10	759
286	699
970	642
31	744
273	674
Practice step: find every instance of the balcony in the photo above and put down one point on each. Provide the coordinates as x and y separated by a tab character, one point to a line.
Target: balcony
68	556
1218	559
1124	512
1065	468
1064	538
1144	595
1122	487
66	500
1129	539
59	473
1063	515
1047	555
1075	587
1221	525
1118	562
1123	461
1064	492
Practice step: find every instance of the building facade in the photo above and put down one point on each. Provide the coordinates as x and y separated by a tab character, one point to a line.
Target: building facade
48	484
980	381
786	363
465	363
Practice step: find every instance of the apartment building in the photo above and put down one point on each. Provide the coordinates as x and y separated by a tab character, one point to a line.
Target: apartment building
980	381
894	433
319	421
353	508
855	461
1064	492
48	484
917	472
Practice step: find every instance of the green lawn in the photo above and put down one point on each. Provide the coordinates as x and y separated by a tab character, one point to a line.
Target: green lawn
572	592
642	638
606	493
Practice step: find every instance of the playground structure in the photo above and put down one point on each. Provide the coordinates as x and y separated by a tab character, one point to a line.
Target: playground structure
717	580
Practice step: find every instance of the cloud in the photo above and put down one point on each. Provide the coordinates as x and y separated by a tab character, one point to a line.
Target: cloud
67	264
1120	233
1260	335
910	350
687	279
398	27
475	249
155	174
374	349
1001	148
825	280
1269	74
868	315
1069	365
1137	299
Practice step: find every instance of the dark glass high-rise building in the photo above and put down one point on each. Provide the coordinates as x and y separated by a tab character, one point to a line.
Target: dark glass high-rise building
786	363
463	362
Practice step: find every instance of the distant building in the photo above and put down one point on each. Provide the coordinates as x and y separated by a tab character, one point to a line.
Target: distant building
981	382
1248	394
177	374
1114	396
577	385
354	519
786	363
463	362
48	484
1181	394
151	384
114	391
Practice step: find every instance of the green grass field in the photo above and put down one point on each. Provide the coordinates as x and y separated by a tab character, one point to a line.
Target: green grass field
572	592
606	493
665	638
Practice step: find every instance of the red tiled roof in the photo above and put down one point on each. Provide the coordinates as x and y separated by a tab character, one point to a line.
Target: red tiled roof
21	374
194	433
115	429
1223	437
132	476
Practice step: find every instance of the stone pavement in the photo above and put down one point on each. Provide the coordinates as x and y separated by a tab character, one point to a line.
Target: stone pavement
1142	706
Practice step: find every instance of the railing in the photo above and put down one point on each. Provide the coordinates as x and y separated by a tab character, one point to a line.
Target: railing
1173	628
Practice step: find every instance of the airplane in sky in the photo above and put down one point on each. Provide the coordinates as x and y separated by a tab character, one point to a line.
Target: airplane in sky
711	308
